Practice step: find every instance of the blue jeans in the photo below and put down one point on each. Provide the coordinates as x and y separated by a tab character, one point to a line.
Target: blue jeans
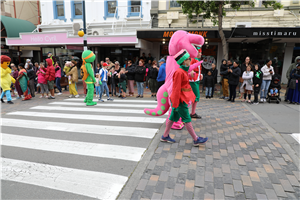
104	87
140	87
274	91
98	90
57	83
208	91
264	88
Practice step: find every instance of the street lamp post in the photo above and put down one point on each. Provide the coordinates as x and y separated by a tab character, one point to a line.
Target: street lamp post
84	27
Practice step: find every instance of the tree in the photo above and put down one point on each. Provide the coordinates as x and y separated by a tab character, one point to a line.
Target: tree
215	11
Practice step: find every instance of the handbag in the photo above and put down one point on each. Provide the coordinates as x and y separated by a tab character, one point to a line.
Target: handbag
241	80
292	84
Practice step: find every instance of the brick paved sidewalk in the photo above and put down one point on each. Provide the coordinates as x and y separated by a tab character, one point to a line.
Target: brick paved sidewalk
241	160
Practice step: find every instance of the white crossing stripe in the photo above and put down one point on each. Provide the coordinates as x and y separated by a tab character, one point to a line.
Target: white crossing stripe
106	104
74	147
88	109
296	136
90	117
116	100
81	128
88	183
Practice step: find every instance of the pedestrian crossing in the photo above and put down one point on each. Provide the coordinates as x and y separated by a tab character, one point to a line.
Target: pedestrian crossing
296	136
65	146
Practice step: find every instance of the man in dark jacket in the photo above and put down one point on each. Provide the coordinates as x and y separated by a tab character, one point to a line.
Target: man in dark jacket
224	73
130	77
233	79
31	76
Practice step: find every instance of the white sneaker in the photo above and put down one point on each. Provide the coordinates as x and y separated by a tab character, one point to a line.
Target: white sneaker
77	96
262	100
265	100
59	93
104	95
71	96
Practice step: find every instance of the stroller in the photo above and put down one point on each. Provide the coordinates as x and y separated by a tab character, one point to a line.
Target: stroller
275	83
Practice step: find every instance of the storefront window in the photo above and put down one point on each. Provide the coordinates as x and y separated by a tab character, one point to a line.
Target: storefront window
78	8
135	6
111	7
174	4
61	55
259	53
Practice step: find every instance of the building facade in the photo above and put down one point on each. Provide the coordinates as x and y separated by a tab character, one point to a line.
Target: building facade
111	29
259	32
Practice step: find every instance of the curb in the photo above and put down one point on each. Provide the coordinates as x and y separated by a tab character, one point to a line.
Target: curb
135	177
278	137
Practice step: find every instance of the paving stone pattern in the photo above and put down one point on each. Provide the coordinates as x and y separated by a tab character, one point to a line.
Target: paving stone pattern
241	160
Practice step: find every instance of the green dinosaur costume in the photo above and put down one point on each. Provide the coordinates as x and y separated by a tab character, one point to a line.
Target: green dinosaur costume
88	76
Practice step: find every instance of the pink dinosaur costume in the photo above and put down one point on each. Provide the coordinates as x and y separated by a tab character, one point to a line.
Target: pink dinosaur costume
180	40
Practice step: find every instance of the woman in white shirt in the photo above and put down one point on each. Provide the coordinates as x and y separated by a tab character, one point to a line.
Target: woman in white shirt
268	72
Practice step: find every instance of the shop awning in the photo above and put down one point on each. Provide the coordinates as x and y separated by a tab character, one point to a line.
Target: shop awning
15	26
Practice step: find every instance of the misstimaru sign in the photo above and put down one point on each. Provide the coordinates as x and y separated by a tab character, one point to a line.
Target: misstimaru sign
169	34
267	32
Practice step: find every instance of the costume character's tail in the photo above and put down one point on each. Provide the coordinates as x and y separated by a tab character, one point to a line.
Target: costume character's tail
162	103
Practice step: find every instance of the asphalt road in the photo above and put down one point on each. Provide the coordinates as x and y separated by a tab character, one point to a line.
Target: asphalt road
63	149
283	117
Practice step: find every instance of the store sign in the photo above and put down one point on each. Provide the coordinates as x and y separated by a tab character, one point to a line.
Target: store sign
168	34
72	47
64	39
266	32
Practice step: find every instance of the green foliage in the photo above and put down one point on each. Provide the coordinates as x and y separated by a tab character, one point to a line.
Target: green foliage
210	9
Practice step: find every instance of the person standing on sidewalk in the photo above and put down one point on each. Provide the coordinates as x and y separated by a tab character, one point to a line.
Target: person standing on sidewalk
58	77
182	94
194	78
139	77
233	79
247	83
214	73
268	72
130	77
292	66
224	73
257	80
161	73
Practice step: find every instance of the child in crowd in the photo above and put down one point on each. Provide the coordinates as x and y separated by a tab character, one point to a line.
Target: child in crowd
257	80
275	87
112	74
122	82
97	85
104	78
42	81
247	83
208	82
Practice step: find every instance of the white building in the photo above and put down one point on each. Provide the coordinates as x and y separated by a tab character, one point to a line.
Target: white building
111	29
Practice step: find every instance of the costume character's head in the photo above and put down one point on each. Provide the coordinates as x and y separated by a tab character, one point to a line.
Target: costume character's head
88	56
179	41
5	61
